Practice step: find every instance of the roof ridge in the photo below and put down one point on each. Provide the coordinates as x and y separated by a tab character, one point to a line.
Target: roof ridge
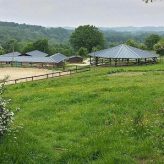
121	46
132	51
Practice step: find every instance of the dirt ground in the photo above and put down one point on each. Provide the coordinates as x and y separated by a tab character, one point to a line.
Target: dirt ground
16	73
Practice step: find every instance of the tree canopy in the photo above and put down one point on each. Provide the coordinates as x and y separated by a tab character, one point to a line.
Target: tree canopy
151	40
87	36
159	47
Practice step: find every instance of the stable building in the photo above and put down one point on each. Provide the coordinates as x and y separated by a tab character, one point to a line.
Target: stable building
122	55
35	53
75	59
32	59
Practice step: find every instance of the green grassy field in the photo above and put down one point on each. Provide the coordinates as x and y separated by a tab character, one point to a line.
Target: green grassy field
92	117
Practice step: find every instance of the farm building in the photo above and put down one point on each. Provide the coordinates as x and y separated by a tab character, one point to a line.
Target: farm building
59	59
75	59
33	59
122	55
11	54
35	53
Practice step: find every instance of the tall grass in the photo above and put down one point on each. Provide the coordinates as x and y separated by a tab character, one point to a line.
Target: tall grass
89	118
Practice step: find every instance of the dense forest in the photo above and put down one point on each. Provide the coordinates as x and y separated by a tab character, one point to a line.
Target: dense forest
24	37
23	32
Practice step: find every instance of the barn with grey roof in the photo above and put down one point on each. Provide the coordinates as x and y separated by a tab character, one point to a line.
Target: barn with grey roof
33	58
35	53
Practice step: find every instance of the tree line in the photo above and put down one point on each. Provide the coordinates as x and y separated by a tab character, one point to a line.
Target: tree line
81	41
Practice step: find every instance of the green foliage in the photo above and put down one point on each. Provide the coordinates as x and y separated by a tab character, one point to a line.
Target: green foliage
139	127
159	47
151	40
88	37
91	117
6	116
23	32
82	51
10	45
132	43
41	45
97	48
28	47
61	48
2	50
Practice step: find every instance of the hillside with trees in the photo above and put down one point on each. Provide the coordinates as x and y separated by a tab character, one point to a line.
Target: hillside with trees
23	38
23	32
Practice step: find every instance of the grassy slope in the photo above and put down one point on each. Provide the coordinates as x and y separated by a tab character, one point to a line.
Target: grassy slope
89	118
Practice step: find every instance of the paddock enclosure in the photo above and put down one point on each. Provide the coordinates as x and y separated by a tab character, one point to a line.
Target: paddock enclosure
16	73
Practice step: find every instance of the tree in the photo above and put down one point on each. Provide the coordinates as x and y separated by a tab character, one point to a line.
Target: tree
83	51
88	37
132	43
28	47
159	47
41	45
11	45
142	46
2	51
151	40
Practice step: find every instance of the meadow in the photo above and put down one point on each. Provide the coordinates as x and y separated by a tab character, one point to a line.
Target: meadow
106	115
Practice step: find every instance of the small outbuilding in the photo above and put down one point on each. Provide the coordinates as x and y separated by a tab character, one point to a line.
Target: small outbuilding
122	55
75	59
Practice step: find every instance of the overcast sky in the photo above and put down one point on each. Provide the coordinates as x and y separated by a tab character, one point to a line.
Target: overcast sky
107	13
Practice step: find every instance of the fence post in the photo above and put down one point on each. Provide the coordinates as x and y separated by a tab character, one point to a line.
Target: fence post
47	76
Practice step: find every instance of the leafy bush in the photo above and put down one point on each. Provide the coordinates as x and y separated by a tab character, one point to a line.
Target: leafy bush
6	116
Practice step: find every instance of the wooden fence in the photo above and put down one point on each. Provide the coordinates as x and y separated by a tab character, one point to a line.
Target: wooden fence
49	75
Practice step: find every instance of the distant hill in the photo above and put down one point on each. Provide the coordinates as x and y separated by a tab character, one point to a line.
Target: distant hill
134	29
23	32
128	29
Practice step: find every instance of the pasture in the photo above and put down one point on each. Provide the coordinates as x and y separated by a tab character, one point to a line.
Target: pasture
107	115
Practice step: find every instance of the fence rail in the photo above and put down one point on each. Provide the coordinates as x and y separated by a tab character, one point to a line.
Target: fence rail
49	75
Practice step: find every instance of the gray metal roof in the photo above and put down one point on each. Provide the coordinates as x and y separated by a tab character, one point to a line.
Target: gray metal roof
5	59
123	52
34	59
58	57
27	59
11	54
36	53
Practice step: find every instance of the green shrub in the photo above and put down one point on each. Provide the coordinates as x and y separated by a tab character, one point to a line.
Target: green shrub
6	115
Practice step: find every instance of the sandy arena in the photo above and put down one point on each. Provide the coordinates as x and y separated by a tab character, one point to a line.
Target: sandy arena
16	73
